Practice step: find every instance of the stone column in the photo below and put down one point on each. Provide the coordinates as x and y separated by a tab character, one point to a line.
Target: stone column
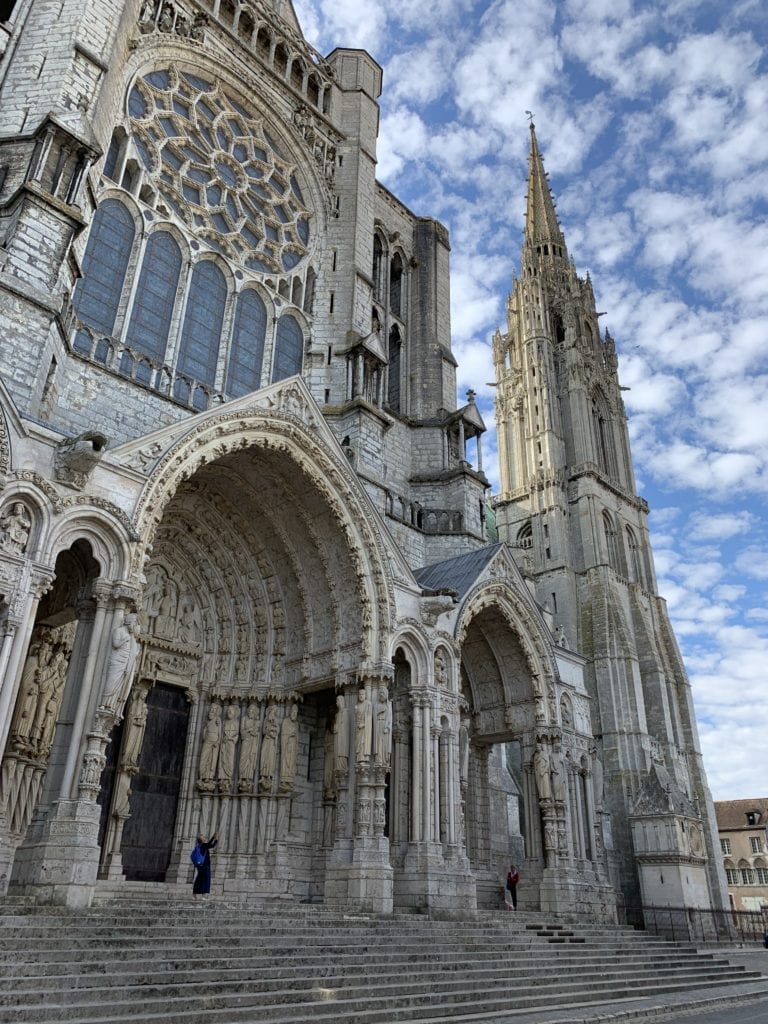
85	689
416	773
438	812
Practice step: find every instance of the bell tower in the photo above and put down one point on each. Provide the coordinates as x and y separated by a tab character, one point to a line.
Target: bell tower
568	509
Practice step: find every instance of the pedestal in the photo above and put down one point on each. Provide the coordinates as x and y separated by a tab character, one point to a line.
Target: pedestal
58	861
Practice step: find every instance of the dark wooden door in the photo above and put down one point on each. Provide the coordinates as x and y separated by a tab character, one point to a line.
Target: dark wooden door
148	833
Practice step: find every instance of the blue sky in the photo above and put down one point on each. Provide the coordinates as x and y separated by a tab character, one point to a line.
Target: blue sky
653	122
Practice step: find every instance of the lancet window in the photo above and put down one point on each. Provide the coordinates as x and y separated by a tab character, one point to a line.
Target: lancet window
176	276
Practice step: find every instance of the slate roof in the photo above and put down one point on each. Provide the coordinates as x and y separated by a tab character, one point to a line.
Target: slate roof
732	814
457	574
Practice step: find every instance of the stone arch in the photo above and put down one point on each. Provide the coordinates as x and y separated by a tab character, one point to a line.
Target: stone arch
275	438
109	539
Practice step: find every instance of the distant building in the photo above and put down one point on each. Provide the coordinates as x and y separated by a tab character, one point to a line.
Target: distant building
743	829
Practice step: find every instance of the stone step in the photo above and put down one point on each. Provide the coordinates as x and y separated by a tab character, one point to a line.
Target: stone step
211	963
330	1005
300	976
354	960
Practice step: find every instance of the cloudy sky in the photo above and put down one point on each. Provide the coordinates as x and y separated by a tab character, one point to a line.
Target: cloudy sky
653	121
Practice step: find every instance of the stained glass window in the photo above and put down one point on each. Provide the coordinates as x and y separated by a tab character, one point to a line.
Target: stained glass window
105	262
289	343
247	352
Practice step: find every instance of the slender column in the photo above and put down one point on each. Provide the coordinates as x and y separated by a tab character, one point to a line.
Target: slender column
416	773
68	788
85	688
452	786
396	788
438	815
426	780
589	813
444	747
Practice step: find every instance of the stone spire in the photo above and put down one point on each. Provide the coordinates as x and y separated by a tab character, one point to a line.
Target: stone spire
541	223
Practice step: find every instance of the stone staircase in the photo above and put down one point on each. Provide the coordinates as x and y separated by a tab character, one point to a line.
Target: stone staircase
198	963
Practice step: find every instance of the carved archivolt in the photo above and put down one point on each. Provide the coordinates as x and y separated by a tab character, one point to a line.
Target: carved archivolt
529	630
5	447
223	435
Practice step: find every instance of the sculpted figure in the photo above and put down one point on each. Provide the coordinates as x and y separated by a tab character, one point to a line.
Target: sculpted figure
363	727
383	731
249	744
188	627
597	779
268	749
209	752
329	767
566	716
121	663
289	748
441	673
40	652
49	687
15	527
137	723
341	735
559	782
464	749
230	731
152	597
541	773
166	611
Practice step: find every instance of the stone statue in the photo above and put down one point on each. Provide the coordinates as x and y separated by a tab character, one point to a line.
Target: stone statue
597	779
268	749
136	721
250	728
541	773
363	727
464	749
383	730
121	663
441	673
329	767
341	736
15	527
165	622
209	752
152	597
39	656
188	627
289	748
566	716
230	733
50	687
559	782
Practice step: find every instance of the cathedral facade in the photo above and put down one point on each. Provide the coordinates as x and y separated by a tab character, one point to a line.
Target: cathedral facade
249	576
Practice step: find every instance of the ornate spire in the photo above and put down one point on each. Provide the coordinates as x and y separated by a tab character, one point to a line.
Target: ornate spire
541	224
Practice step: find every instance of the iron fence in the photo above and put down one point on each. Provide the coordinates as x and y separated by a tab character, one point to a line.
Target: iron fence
699	925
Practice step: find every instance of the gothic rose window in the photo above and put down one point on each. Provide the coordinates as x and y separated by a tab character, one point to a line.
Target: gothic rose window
220	170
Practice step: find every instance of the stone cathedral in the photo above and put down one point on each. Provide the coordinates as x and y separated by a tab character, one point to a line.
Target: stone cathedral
251	578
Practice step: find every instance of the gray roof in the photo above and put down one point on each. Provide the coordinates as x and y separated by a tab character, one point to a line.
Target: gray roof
457	574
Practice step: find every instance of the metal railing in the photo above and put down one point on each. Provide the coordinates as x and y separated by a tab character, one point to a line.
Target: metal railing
700	925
